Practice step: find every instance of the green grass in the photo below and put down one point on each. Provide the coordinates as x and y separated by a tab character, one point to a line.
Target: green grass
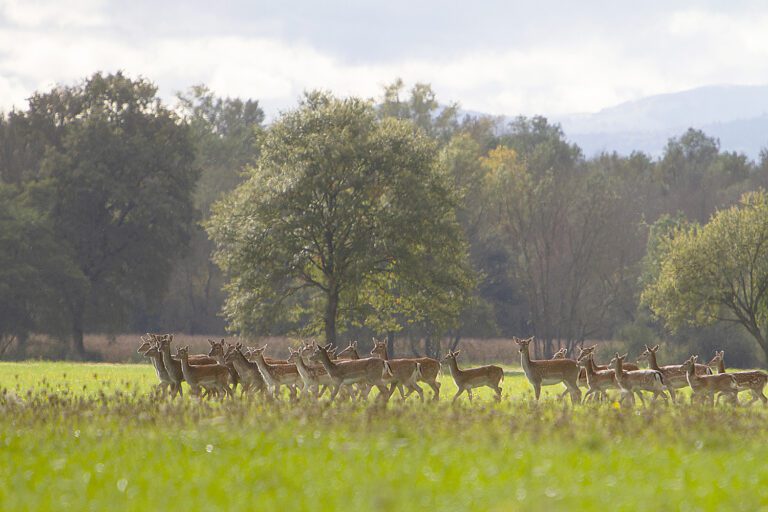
89	437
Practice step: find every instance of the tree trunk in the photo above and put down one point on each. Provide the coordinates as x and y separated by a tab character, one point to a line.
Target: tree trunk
331	311
391	344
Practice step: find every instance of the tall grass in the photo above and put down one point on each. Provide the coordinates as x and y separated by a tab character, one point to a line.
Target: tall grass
90	437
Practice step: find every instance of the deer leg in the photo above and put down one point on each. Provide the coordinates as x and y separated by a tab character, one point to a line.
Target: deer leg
436	388
415	387
497	390
469	394
537	390
459	392
672	393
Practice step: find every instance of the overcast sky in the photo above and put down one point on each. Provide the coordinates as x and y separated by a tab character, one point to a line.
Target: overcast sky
499	57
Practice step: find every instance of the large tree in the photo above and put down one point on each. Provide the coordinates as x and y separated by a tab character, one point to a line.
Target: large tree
116	177
343	211
716	272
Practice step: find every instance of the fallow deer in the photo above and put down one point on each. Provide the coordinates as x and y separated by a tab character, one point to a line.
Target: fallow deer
276	375
470	378
754	380
635	381
546	372
248	372
370	371
705	386
674	375
211	377
405	372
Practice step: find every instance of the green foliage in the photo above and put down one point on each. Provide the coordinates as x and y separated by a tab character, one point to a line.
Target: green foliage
116	179
716	272
33	270
343	212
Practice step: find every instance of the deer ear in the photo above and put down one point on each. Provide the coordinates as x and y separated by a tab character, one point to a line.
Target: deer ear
656	348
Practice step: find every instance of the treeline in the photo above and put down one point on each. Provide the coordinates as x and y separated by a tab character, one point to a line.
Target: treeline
343	218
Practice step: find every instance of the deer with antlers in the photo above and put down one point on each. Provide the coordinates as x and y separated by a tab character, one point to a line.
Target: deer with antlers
753	380
547	372
470	378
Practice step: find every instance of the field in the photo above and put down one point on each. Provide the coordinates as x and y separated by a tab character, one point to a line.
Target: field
90	437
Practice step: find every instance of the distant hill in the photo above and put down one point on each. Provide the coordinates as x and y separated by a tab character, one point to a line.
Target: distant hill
737	115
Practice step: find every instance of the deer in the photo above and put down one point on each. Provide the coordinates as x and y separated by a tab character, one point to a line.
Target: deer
371	371
754	380
172	366
429	368
470	378
598	381
546	372
315	378
218	353
405	372
276	375
635	381
193	358
211	377
674	375
248	372
150	351
705	386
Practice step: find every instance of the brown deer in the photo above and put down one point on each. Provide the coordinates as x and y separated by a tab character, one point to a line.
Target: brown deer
705	386
754	380
371	371
349	353
276	375
314	377
598	381
211	377
635	381
674	375
218	352
470	378
405	372
248	372
429	368
546	372
150	351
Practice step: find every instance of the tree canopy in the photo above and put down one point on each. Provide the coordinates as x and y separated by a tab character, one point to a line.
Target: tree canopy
716	272
340	206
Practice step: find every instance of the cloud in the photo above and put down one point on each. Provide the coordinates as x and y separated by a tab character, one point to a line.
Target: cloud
554	73
42	13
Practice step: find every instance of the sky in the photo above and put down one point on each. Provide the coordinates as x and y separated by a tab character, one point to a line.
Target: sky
498	57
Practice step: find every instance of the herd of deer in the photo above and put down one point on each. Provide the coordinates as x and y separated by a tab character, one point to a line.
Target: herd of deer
314	368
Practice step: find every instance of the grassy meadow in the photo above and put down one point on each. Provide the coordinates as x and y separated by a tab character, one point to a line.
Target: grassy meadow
91	437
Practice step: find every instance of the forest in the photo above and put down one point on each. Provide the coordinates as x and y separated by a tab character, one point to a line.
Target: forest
344	218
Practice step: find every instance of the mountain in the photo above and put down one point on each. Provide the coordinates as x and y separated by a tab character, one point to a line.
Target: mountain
735	114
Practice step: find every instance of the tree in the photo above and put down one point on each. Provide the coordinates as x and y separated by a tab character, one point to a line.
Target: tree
343	210
422	108
33	270
558	222
716	272
116	178
225	133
